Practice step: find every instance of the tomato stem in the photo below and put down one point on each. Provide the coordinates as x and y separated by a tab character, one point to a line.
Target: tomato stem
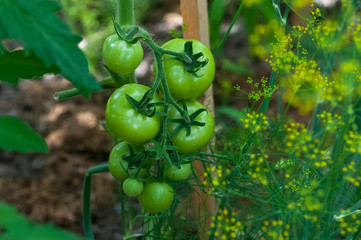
124	12
106	83
158	53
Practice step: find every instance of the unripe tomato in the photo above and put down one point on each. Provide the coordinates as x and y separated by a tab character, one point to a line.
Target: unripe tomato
125	122
178	174
200	135
183	84
118	167
156	196
133	187
120	56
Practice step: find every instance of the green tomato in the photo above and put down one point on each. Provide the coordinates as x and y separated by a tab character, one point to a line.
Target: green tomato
120	56
133	187
125	122
178	174
200	135
182	84
156	196
118	167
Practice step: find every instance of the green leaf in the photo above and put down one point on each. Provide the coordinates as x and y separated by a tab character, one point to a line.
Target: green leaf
18	64
15	226
15	135
3	50
217	11
40	30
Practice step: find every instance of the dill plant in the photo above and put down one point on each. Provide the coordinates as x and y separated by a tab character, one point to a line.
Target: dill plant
289	179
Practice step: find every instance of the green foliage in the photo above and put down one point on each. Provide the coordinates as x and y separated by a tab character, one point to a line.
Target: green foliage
42	32
15	226
178	34
49	47
217	11
15	135
259	90
17	64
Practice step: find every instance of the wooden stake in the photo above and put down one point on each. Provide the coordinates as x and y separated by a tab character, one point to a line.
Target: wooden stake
195	16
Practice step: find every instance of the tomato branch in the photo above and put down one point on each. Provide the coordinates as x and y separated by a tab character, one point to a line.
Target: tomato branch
106	83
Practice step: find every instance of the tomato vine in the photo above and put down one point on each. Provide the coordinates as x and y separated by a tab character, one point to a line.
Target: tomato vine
159	129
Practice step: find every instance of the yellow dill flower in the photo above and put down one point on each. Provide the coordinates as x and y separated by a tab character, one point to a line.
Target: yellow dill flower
255	122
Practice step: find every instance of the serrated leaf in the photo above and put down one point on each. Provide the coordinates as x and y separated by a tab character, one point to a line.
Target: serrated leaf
16	135
40	30
18	64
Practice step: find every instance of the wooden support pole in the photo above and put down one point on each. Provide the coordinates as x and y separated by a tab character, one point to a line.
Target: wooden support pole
195	16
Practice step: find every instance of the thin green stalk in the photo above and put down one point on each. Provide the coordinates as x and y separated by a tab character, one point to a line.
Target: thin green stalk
124	16
122	202
158	52
264	106
283	18
87	221
280	123
106	83
124	13
316	124
213	155
238	13
150	225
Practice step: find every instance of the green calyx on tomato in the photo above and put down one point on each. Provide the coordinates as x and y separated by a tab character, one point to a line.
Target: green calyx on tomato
188	80
178	173
156	196
125	121
189	139
194	62
120	56
119	167
133	187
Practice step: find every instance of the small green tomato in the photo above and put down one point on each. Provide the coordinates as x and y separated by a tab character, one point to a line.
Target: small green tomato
156	196
118	167
133	187
178	174
120	56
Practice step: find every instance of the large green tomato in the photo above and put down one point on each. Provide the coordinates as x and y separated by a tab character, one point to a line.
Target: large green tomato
183	84
178	174
156	196
120	56
118	167
200	135
125	122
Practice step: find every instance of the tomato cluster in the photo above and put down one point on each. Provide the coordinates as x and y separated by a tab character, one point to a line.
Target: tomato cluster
142	116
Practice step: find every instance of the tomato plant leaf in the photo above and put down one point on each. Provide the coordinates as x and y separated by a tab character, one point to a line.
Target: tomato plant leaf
16	135
18	64
16	226
40	30
3	50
